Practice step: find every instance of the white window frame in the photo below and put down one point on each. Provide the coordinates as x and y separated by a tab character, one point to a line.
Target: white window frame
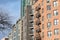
49	24
56	31
49	33
56	21
55	3
55	12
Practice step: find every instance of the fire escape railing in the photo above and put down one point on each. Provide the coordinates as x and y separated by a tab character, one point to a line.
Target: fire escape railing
38	23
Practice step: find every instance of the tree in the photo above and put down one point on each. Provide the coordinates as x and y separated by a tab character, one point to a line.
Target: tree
5	20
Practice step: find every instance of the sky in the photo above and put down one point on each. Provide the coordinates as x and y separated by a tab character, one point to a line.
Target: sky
13	8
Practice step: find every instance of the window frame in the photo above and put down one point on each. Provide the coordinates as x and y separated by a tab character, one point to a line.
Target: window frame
56	21
55	12
48	7
49	34
56	31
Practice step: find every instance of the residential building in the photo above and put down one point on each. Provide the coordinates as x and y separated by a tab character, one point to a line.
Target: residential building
10	36
46	19
15	33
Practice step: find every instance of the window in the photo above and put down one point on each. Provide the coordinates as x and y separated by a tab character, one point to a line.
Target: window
56	31
48	7
49	16
49	34
48	1
55	3
56	21
55	12
49	24
42	26
42	18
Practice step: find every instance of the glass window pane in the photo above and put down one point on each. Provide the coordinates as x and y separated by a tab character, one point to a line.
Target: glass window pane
49	24
49	34
56	22
49	16
55	3
56	31
55	12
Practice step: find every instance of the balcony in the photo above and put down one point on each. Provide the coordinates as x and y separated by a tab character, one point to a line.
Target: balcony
38	15
31	14
38	22
31	31
38	37
31	25
31	20
38	30
34	1
38	8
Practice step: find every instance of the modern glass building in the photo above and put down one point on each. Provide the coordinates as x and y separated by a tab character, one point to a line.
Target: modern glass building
23	4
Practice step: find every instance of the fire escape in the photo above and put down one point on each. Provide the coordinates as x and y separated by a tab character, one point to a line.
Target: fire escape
38	23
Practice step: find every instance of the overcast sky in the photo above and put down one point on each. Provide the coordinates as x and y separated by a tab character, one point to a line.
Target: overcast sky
13	7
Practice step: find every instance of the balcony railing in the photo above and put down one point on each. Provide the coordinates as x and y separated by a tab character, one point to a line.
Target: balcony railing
30	21
38	8
31	14
31	25
38	22
38	15
34	1
31	31
38	37
38	30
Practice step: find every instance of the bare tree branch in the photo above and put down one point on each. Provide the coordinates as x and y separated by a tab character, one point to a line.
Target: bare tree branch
5	20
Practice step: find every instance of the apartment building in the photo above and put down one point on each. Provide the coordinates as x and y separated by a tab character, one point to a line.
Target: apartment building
10	36
15	32
46	19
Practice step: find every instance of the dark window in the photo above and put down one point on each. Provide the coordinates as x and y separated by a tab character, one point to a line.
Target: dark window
48	7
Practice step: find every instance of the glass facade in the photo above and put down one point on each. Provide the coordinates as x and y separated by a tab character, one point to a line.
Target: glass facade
22	7
23	4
